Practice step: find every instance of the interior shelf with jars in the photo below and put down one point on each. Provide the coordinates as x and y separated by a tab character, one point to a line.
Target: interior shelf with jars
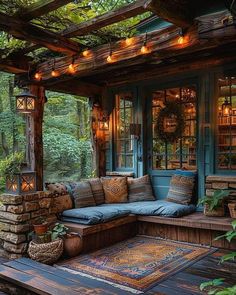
226	124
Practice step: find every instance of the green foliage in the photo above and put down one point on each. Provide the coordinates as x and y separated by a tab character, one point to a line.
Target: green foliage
11	164
207	286
59	231
214	287
216	200
66	137
229	235
227	257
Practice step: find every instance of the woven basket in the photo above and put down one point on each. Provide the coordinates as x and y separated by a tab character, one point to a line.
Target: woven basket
232	209
218	212
47	253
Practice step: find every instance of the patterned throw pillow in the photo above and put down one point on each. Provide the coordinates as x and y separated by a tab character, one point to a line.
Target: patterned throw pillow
56	188
115	189
83	195
140	189
97	189
181	188
61	203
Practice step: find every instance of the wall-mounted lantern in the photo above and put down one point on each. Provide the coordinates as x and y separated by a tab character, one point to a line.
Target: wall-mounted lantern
21	183
25	102
104	121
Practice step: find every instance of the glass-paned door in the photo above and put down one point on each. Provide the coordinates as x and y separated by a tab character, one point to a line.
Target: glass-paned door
164	157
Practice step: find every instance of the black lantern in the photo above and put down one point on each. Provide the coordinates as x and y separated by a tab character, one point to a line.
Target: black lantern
21	183
25	102
226	107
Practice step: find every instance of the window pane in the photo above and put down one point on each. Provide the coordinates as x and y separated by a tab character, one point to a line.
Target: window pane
226	130
182	152
123	119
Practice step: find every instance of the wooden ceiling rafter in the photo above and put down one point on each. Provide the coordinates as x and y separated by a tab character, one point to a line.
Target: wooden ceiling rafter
40	8
106	19
175	12
26	31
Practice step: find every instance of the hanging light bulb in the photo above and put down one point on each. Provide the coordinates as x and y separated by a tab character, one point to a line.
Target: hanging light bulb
72	67
86	53
144	49
183	38
37	76
129	41
110	57
54	73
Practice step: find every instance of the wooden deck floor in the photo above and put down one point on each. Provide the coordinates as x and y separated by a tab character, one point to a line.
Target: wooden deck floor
183	283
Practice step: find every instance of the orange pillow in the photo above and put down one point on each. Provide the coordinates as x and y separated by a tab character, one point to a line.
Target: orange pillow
115	189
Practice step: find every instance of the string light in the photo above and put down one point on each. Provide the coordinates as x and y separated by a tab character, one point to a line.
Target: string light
110	58
86	53
129	41
182	39
72	67
54	73
144	49
37	76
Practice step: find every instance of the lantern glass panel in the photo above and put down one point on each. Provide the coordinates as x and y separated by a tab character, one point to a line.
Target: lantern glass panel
22	183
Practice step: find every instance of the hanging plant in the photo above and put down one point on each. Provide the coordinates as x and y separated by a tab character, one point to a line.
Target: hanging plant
170	122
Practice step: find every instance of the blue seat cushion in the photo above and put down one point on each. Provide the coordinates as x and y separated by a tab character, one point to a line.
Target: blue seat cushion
156	208
94	215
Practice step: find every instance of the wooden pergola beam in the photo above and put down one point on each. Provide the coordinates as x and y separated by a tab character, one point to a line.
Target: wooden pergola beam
40	8
14	66
26	31
106	19
76	87
122	55
177	12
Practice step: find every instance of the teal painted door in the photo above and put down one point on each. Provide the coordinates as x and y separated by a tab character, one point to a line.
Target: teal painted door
163	157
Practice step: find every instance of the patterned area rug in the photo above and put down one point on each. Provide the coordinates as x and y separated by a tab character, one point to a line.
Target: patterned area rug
137	264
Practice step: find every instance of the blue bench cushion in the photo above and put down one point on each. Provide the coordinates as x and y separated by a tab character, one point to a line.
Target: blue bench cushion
156	208
94	215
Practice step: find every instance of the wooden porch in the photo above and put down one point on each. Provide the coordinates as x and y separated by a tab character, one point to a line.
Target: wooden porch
26	277
188	60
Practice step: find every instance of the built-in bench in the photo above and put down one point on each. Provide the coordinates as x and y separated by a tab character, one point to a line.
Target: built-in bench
195	228
104	234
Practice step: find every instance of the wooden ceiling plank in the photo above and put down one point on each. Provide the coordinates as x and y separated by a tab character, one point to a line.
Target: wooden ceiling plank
177	12
26	31
40	8
106	19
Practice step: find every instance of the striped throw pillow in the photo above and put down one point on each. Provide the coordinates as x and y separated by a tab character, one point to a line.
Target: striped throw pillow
181	189
97	189
140	189
83	195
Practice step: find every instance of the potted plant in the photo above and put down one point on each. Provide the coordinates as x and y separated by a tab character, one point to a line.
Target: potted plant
72	241
214	205
40	226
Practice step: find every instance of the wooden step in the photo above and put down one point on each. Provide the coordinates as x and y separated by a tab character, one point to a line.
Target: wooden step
48	280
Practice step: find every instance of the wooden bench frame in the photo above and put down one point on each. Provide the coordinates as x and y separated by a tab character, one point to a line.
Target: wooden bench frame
195	228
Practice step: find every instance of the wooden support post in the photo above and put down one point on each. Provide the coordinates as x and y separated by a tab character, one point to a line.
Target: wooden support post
36	133
98	139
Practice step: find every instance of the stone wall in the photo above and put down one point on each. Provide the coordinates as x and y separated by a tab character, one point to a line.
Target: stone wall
215	182
17	214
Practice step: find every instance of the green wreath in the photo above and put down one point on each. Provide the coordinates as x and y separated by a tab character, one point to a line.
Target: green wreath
171	111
